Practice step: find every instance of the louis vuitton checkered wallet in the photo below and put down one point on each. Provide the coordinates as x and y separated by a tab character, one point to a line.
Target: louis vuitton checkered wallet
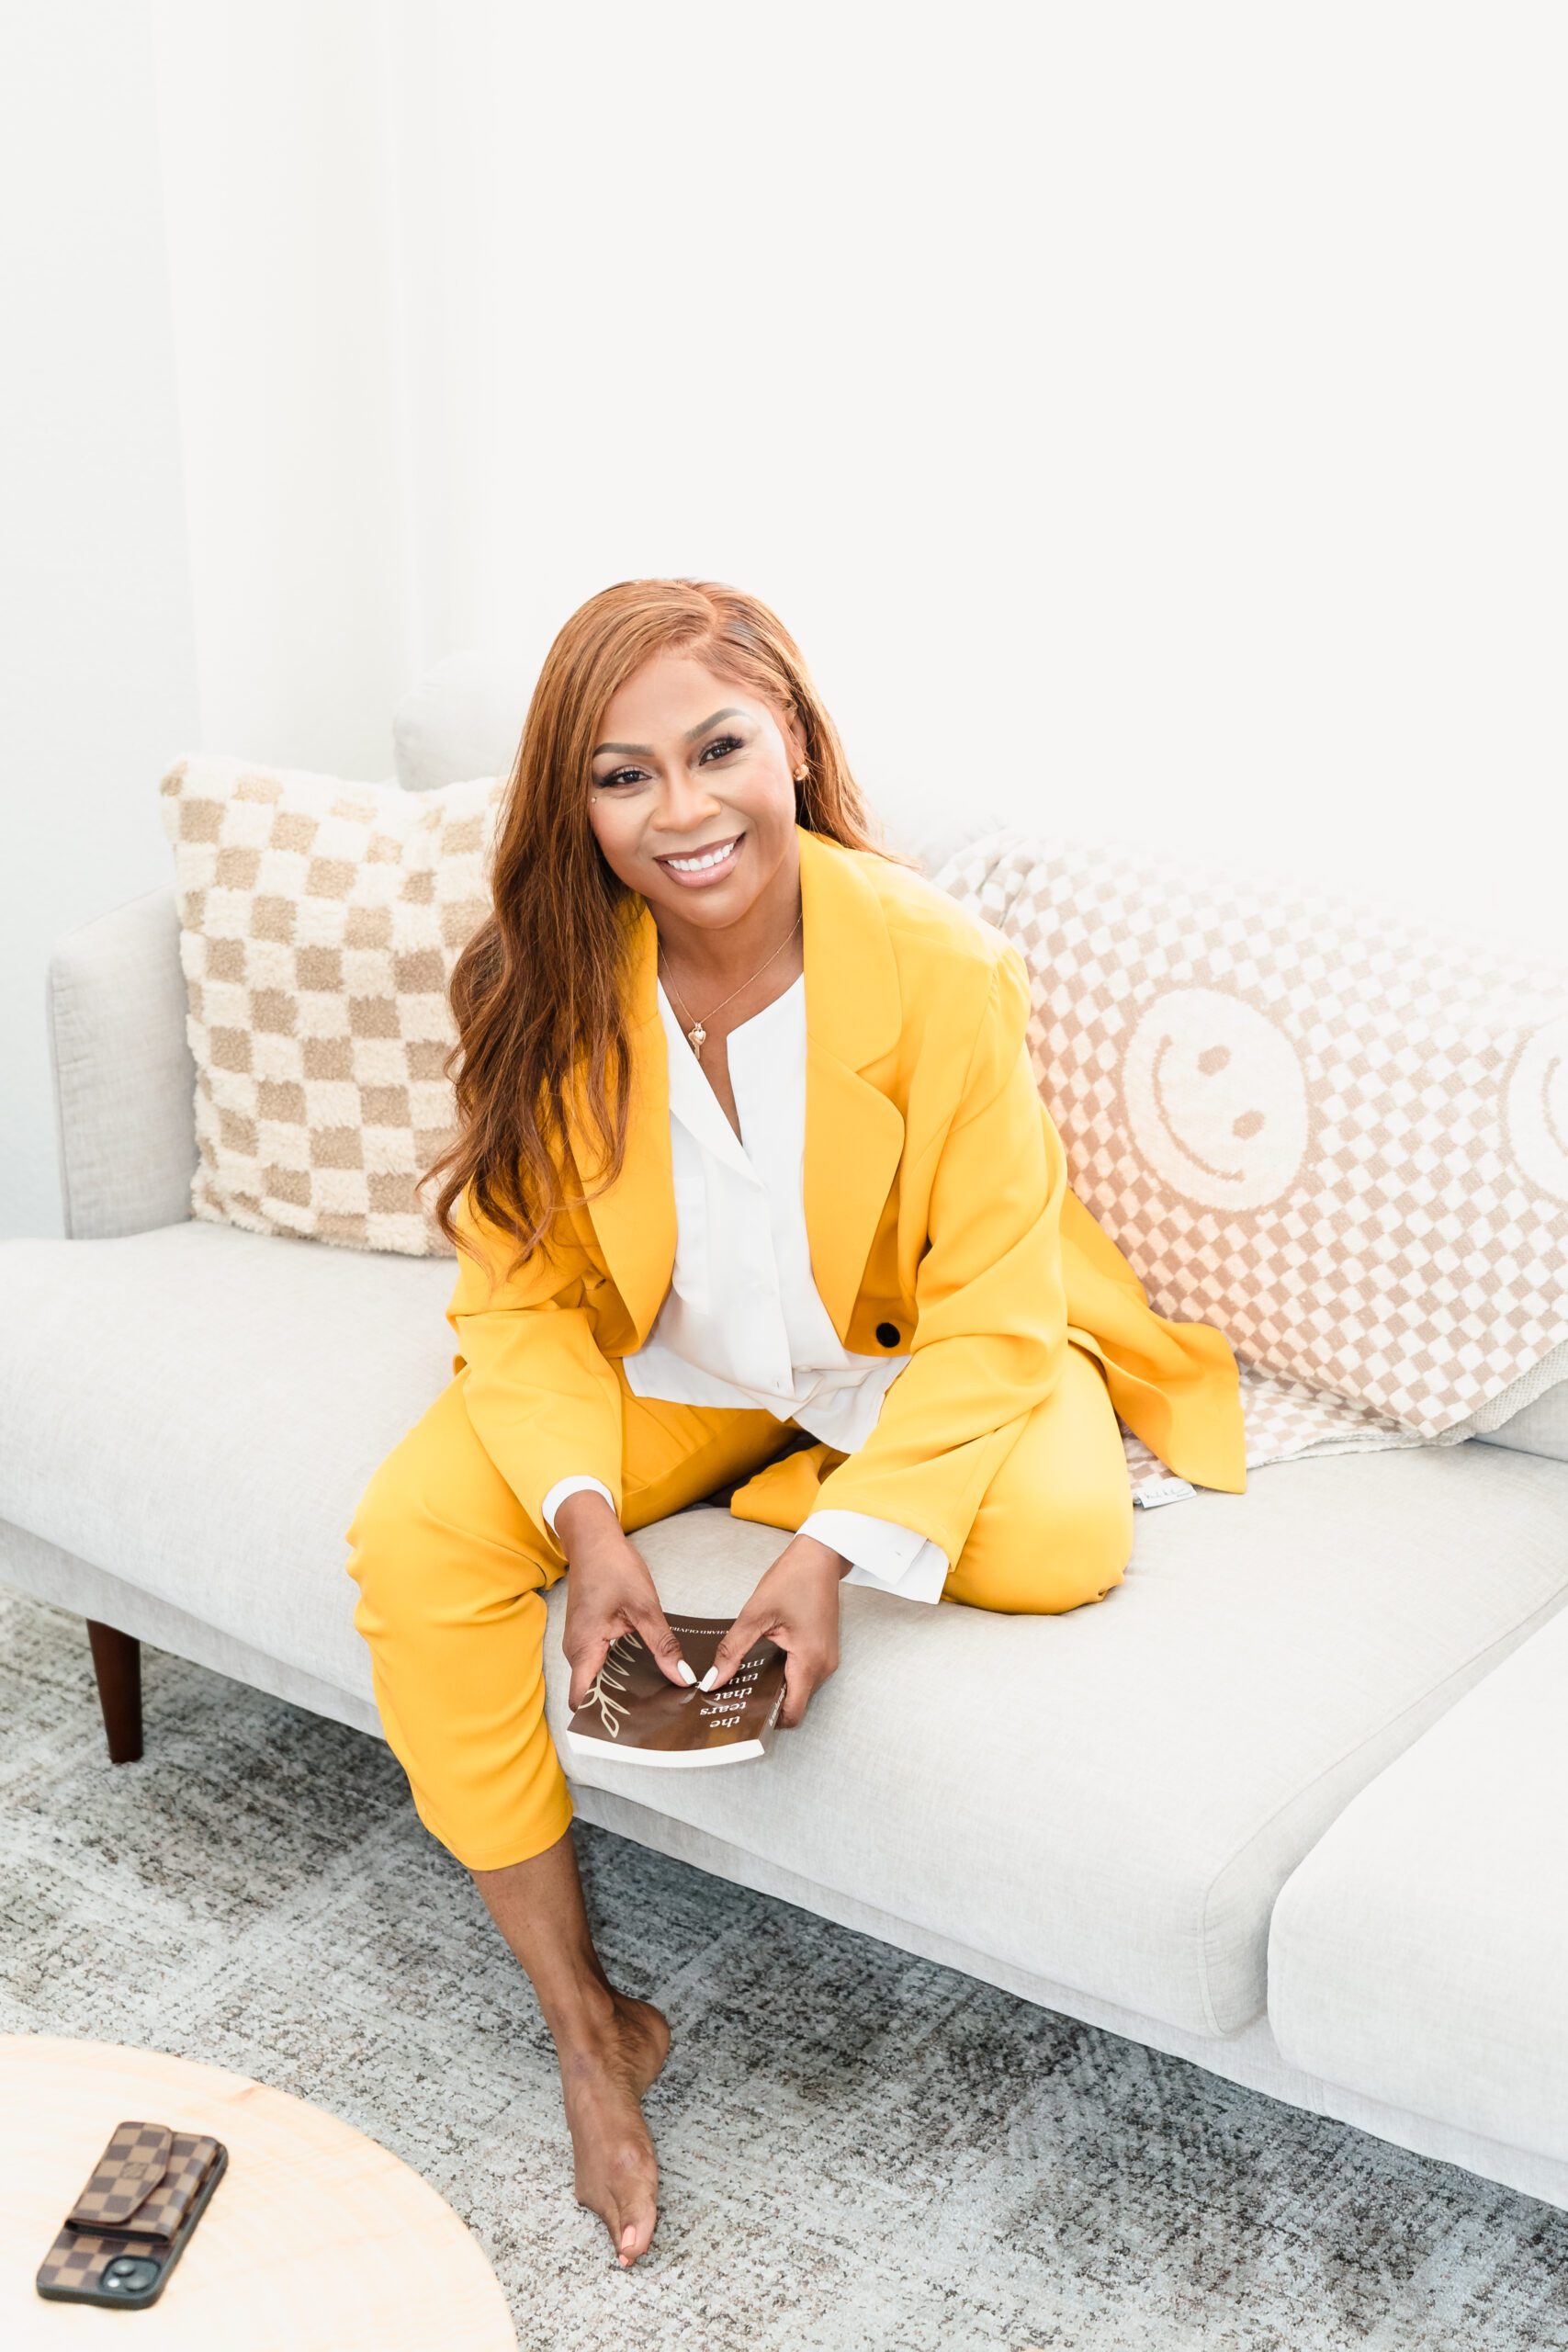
141	2202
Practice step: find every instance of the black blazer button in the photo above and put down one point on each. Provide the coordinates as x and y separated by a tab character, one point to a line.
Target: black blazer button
888	1334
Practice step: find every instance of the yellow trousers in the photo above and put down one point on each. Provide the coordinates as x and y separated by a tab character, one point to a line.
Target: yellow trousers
452	1575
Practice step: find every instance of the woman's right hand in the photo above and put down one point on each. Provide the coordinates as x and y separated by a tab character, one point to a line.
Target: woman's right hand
610	1591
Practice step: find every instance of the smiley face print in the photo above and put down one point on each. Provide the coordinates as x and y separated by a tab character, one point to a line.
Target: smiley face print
1215	1099
1536	1109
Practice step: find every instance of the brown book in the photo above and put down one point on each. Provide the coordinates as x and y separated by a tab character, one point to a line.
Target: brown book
634	1710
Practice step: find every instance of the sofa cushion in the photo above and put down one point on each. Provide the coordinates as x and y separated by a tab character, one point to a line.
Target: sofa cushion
1419	1954
1333	1132
1532	1415
1110	1798
1540	1426
464	716
320	923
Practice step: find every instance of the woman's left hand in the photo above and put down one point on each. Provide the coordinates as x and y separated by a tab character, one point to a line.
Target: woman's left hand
795	1605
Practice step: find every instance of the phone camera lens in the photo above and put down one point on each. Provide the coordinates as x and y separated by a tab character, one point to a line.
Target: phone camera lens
130	2272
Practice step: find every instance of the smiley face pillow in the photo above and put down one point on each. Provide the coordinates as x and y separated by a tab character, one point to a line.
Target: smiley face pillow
1339	1135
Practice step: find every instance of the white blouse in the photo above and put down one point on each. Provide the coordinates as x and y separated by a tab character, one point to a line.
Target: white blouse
742	1323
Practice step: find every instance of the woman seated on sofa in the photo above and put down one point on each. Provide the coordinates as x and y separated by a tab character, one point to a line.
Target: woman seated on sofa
825	1210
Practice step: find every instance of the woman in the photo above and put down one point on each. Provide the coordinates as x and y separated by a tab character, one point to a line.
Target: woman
831	1253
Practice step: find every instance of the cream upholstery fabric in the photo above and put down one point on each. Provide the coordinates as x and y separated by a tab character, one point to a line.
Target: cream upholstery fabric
1420	1952
1128	1785
124	1079
1532	1415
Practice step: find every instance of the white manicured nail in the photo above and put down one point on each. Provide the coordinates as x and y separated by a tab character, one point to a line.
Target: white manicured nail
708	1681
684	1671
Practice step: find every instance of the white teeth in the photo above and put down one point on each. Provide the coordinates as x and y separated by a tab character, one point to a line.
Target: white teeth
698	865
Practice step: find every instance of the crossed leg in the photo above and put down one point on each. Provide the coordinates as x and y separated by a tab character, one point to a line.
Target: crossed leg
1055	1528
452	1573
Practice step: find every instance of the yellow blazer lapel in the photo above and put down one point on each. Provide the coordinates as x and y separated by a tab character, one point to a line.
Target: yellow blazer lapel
854	1134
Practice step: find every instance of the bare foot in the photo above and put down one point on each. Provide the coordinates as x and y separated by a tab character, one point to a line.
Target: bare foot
617	2175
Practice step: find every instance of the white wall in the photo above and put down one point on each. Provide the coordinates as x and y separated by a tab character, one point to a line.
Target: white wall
1149	417
94	600
1149	420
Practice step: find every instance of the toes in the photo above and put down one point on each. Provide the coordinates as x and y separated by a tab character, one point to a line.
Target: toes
630	2225
637	2236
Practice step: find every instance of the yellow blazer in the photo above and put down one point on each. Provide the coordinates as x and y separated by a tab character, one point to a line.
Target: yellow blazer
939	1220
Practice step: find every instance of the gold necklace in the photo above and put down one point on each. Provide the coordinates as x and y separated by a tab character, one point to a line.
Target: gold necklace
696	1035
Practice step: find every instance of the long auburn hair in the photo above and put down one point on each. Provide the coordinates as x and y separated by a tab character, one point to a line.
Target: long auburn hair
539	990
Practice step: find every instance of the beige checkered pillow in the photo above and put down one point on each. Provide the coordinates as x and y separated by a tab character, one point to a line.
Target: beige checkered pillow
318	925
1339	1136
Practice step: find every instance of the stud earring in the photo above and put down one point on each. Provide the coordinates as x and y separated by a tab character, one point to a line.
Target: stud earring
801	772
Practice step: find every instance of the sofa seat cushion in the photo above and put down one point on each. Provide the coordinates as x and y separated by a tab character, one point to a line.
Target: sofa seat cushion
1419	1954
198	1409
1111	1797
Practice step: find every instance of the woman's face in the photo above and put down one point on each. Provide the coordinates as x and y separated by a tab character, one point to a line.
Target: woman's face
684	764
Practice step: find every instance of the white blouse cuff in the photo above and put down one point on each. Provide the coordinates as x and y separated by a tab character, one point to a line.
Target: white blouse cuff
564	1487
894	1559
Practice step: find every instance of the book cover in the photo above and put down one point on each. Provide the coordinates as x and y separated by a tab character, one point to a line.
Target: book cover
634	1710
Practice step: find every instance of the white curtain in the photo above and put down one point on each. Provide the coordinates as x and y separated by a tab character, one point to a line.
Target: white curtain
330	224
1150	418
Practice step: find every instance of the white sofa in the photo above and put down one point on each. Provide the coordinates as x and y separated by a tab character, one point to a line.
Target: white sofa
1292	1804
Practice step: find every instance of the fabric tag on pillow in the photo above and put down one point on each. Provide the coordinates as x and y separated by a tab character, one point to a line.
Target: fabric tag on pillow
1162	1490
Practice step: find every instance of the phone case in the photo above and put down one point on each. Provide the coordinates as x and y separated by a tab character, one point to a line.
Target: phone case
134	2219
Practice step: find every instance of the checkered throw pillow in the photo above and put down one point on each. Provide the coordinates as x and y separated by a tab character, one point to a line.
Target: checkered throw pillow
320	923
1338	1136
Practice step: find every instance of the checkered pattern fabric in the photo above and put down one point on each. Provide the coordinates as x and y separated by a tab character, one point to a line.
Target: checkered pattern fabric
320	923
1338	1136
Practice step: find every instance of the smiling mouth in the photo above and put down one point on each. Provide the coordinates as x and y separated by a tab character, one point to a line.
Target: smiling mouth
698	861
1223	1175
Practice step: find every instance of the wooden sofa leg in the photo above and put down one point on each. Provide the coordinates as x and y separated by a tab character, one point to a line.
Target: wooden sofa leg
117	1661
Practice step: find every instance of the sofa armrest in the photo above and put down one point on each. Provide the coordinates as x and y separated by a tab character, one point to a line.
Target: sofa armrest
124	1073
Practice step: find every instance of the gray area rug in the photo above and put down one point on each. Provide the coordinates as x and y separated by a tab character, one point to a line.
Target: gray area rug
859	2150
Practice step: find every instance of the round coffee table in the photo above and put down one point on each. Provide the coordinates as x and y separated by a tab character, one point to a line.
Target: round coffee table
316	2236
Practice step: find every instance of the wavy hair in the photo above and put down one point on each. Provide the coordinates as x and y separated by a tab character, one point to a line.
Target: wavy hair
538	993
